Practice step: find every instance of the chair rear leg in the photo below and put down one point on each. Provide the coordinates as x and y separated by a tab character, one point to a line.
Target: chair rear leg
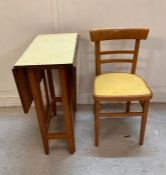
144	121
96	112
94	109
128	106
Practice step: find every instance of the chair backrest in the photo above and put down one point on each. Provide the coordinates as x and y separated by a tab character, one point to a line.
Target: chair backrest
98	35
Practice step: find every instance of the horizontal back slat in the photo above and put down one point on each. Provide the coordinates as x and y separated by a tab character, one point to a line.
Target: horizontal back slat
102	61
119	33
116	52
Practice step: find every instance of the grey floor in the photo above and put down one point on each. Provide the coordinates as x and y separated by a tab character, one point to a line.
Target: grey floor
119	153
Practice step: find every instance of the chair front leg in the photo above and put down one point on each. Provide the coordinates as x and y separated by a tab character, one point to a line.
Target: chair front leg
144	121
96	112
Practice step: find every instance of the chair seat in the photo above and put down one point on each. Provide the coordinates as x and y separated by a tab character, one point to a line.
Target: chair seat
120	85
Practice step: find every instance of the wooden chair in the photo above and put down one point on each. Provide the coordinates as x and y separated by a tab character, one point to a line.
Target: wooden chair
117	86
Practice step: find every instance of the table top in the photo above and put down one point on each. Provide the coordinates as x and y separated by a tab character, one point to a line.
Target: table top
50	49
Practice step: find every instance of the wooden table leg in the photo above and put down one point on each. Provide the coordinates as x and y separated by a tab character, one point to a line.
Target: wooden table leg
51	89
37	97
71	72
71	89
74	89
68	118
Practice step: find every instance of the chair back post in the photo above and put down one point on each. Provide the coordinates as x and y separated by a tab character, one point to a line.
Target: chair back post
97	58
135	58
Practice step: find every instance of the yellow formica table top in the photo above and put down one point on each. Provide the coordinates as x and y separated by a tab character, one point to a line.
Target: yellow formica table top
50	49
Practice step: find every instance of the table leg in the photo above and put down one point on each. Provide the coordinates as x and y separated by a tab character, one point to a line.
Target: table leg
68	118
37	97
51	89
71	80
74	89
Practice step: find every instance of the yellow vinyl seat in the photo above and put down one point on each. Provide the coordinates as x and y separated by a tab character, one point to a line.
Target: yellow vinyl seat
120	85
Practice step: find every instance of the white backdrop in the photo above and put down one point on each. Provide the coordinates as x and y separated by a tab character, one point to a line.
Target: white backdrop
22	20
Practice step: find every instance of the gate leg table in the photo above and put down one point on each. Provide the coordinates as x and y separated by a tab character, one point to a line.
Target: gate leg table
46	53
